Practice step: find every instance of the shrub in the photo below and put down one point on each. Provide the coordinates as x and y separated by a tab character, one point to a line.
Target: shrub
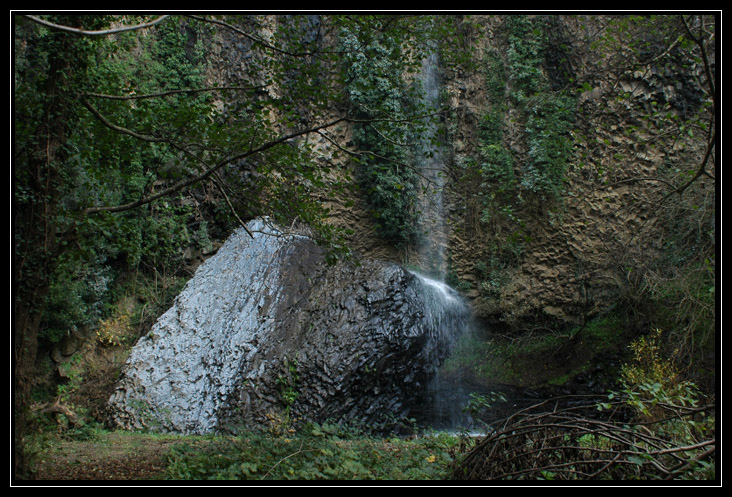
652	384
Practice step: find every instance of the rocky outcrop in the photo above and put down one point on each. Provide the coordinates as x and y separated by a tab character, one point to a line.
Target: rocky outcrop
266	328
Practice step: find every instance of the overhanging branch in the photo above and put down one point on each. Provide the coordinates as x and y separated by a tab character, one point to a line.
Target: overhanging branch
101	32
210	169
175	92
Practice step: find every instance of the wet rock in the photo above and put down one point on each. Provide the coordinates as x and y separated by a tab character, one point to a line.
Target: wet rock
266	328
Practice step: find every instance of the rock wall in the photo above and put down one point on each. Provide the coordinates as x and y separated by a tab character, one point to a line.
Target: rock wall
265	328
575	252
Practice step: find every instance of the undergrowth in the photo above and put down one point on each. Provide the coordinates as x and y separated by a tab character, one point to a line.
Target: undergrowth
316	452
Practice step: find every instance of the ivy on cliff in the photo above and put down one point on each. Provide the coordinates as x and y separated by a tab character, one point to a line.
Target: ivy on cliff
548	114
515	176
517	82
376	92
388	113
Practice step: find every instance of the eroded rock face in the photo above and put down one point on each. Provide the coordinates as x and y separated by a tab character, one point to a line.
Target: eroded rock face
265	327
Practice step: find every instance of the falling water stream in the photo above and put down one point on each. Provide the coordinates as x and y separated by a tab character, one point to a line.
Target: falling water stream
445	399
450	396
432	223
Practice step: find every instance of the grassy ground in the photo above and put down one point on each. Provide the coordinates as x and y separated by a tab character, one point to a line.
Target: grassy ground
317	454
106	456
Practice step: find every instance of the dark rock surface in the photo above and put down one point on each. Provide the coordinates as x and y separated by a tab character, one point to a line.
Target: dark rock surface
266	328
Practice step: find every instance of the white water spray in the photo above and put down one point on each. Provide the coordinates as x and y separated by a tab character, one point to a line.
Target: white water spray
447	293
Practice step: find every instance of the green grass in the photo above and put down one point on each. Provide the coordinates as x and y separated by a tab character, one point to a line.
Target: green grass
317	452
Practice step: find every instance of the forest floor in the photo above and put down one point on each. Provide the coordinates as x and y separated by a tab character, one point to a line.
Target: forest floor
111	456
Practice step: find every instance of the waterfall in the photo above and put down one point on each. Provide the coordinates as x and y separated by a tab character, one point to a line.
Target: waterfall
432	225
444	308
445	399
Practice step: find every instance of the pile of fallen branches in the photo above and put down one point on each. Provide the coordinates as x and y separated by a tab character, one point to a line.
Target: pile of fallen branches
566	441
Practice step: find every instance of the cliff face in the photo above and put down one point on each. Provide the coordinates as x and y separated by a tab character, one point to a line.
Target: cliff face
523	257
571	257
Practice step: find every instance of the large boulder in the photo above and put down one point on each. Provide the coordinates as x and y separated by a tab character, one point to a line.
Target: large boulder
267	328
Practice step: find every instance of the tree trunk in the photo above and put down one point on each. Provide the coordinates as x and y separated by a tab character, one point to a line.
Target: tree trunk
35	257
44	106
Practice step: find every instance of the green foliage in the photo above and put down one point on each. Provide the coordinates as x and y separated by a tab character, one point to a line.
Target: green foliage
479	404
104	167
48	76
76	299
549	115
72	370
491	273
495	81
549	121
318	452
505	184
683	287
651	379
525	56
375	64
498	166
655	428
496	161
670	408
288	383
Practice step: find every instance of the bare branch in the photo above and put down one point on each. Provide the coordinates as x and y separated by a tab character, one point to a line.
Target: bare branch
175	92
701	171
574	442
218	184
102	32
250	37
120	129
208	168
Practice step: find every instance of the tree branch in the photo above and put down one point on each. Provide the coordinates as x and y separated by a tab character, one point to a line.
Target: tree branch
217	182
210	168
120	129
175	92
250	37
702	170
102	32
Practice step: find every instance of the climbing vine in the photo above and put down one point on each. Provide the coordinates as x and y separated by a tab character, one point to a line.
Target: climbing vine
547	113
523	175
375	63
